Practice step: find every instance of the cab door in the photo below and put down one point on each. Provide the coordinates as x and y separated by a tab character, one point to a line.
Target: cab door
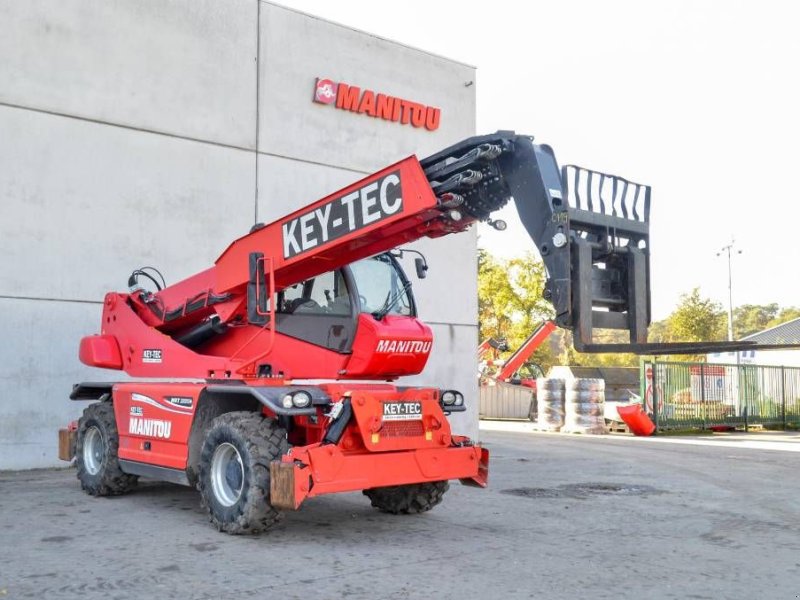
320	311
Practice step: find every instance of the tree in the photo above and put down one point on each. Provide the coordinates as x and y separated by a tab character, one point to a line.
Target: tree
752	318
510	303
495	297
786	314
696	319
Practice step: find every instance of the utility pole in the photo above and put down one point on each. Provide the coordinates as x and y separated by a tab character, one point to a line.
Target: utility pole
730	248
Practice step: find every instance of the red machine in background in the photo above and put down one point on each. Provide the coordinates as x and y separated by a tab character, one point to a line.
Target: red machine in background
511	370
491	347
320	295
500	396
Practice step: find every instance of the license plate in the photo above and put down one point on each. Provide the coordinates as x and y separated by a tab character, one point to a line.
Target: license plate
402	411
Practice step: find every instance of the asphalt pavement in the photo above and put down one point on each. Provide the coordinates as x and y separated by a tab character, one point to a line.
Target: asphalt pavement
565	517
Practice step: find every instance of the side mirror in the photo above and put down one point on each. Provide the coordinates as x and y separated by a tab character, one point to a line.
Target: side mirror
422	268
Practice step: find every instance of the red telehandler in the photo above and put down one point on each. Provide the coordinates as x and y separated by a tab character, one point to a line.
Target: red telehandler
499	379
516	369
320	295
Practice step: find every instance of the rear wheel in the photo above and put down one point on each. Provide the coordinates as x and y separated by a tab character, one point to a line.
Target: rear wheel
407	499
234	471
96	453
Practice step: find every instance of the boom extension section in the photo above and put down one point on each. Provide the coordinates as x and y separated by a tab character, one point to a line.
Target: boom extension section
591	229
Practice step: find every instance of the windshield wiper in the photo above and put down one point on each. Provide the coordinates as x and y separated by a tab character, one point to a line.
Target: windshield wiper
387	305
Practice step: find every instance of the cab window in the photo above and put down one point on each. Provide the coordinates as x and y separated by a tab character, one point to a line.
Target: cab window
323	295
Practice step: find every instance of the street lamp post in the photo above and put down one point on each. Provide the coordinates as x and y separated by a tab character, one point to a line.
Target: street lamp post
730	248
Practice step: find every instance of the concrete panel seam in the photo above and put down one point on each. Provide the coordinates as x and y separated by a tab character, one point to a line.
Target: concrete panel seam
123	126
40	299
372	35
315	162
258	105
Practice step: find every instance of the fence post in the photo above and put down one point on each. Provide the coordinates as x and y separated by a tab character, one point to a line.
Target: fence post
783	396
747	409
703	393
655	395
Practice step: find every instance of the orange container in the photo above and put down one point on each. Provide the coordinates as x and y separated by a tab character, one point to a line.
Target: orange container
636	419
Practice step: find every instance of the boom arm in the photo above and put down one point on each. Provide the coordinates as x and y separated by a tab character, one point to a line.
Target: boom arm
591	229
596	256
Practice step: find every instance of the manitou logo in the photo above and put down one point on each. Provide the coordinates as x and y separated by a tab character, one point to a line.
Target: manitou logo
403	346
150	427
379	106
369	204
325	92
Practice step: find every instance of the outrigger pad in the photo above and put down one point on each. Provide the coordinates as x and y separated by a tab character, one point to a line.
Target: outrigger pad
282	486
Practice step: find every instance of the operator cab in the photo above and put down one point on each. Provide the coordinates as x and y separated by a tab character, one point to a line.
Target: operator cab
324	310
527	375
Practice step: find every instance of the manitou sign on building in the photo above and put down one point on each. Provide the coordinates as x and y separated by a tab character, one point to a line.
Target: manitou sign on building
374	104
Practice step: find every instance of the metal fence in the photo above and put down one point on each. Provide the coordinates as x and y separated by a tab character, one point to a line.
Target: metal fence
506	401
681	395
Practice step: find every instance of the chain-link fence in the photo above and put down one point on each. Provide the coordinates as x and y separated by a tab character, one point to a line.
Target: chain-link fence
701	395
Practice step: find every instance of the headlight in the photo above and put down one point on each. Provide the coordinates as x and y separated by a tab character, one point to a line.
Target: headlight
459	399
449	398
301	399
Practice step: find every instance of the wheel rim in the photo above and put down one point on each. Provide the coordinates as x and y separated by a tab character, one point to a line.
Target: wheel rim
227	474
93	450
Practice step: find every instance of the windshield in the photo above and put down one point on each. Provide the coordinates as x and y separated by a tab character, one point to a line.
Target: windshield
380	287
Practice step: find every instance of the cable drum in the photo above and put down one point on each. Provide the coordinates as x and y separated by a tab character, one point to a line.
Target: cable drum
584	406
550	402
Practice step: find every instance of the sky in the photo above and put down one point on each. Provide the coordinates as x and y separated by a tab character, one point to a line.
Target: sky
698	99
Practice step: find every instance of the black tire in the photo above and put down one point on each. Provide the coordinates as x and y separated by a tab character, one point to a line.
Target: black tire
96	453
237	497
407	499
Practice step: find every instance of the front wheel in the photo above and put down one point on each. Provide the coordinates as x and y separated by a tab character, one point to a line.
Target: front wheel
234	474
407	499
96	453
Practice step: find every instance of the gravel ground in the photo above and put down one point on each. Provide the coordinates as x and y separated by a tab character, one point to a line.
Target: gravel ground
565	517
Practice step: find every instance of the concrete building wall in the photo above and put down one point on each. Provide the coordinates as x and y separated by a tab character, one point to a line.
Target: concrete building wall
154	132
